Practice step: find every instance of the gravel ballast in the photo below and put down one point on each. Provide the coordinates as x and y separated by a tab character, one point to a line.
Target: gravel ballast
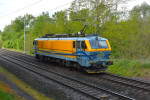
59	92
49	88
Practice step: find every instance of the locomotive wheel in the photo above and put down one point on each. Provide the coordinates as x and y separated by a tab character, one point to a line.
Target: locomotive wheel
36	56
41	58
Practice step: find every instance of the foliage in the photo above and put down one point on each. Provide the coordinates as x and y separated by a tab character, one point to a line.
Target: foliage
128	35
129	68
0	41
6	93
6	96
0	32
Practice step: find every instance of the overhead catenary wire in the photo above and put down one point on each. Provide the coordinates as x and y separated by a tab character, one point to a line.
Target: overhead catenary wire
21	9
59	6
47	10
32	5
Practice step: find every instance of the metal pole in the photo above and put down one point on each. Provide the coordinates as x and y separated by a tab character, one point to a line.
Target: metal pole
24	33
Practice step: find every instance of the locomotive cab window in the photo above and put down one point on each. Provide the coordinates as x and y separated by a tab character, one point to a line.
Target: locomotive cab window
74	46
98	44
83	45
78	44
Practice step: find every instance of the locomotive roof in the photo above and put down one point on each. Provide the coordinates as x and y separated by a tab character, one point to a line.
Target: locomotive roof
72	38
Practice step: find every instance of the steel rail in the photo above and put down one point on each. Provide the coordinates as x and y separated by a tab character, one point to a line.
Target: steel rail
121	80
101	89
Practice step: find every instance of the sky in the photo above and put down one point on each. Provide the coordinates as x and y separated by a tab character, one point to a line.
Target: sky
10	9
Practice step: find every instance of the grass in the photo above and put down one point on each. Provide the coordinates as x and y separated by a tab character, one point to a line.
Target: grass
23	85
7	94
130	68
21	51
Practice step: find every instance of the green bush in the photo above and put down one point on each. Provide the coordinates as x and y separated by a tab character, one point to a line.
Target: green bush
147	65
6	96
126	67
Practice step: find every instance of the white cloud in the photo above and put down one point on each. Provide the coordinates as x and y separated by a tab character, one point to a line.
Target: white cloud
136	2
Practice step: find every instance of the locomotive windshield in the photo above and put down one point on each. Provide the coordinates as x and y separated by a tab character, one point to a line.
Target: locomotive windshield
98	44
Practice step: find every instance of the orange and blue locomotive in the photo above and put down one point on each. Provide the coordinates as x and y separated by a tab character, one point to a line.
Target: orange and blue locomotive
90	53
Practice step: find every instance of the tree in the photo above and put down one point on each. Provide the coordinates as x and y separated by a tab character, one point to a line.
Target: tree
41	24
60	19
141	12
128	35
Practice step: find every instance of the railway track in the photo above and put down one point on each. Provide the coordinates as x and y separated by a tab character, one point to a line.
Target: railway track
89	90
141	86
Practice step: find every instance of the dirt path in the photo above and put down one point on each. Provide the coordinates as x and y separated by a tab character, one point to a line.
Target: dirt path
16	89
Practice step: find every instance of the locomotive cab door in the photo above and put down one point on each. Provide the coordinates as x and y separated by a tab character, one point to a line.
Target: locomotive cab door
78	46
35	47
81	54
78	50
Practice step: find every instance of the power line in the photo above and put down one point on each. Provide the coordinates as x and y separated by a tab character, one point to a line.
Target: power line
59	6
32	5
21	9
